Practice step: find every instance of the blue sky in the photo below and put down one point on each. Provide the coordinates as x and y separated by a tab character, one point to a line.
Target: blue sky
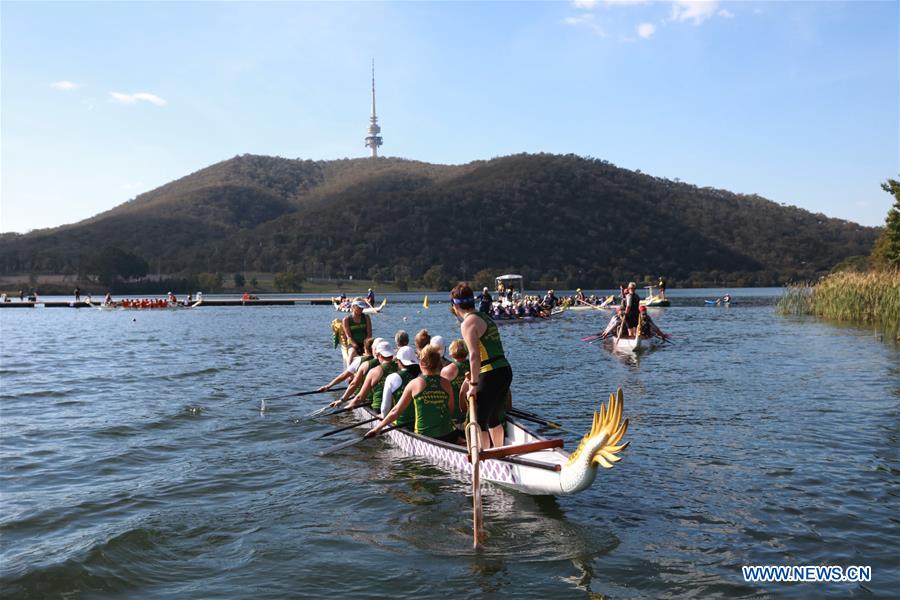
795	101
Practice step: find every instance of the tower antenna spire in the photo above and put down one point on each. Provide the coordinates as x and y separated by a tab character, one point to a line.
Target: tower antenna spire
373	87
373	140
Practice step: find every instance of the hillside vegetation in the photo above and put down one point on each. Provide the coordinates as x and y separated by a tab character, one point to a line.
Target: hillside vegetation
568	219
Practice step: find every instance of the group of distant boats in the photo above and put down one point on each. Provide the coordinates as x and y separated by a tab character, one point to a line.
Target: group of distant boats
512	305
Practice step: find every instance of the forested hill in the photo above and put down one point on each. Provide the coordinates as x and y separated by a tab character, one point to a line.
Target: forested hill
552	218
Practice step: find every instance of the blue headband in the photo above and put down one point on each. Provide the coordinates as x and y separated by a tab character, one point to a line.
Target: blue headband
463	301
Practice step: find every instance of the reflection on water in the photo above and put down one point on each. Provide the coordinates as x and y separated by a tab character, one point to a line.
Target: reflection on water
138	459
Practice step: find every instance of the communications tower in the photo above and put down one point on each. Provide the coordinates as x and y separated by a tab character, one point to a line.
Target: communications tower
373	140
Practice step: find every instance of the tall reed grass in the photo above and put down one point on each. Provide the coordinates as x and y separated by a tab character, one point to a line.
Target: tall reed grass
871	298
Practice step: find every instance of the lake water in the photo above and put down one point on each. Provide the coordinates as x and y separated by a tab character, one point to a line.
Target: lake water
135	462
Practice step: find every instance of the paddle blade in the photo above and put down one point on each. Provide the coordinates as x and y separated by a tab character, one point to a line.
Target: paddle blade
338	430
341	446
351	442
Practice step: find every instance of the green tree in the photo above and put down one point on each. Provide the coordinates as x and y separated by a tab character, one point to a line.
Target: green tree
379	274
886	253
239	280
289	281
211	282
854	264
436	279
112	264
402	275
483	279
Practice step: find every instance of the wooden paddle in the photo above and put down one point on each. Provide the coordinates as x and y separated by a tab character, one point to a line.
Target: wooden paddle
304	394
352	442
594	306
338	430
322	413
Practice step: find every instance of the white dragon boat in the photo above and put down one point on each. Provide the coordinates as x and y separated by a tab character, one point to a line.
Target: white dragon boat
120	306
532	319
607	304
652	301
548	470
630	344
367	311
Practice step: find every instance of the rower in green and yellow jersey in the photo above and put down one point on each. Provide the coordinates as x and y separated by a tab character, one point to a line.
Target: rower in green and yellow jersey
456	373
375	378
359	367
490	373
353	368
395	384
431	397
357	327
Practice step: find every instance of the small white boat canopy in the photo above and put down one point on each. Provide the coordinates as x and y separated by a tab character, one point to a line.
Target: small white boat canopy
511	281
509	277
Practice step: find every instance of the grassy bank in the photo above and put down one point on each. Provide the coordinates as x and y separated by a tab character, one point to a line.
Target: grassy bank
871	298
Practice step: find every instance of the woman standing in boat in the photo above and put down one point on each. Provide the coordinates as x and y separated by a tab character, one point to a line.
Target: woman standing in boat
489	372
357	327
631	307
432	397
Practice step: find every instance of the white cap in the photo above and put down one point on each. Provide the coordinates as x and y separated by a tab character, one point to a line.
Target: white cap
384	349
407	356
438	342
360	304
376	342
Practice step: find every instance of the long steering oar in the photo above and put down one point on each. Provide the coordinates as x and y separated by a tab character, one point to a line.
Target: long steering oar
536	419
338	430
473	446
352	442
303	394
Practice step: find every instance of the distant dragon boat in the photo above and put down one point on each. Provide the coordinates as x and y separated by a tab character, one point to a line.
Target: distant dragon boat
528	319
630	344
142	305
606	304
623	342
652	301
369	311
516	284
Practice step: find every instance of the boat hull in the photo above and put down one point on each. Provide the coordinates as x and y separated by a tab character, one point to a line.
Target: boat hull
629	344
583	308
366	311
508	321
536	473
655	303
